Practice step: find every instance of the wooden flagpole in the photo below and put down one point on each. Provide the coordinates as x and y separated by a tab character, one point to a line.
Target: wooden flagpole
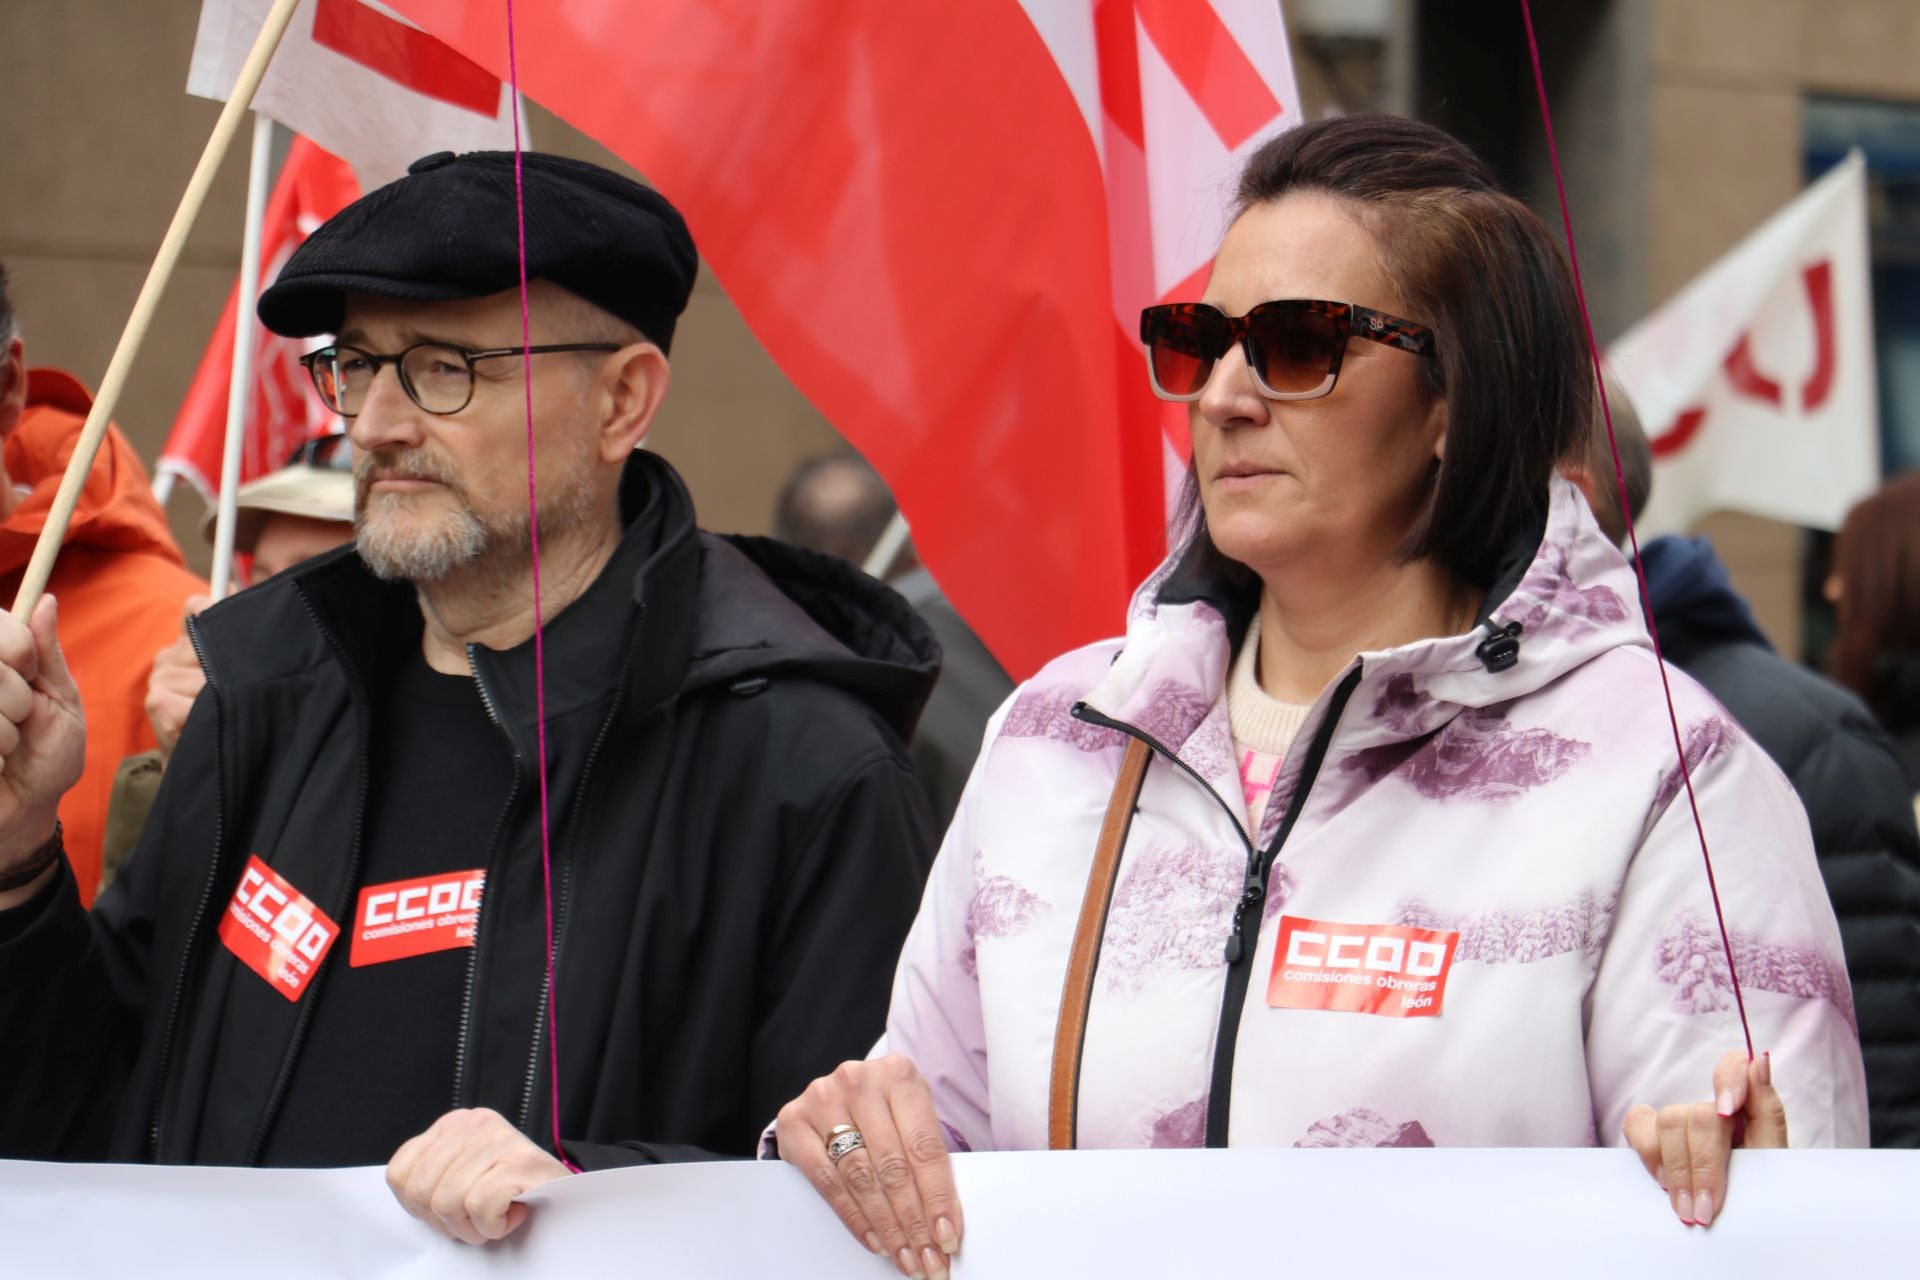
240	376
81	464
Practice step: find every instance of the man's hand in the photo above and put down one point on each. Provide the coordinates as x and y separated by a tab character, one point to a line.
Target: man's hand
461	1176
1685	1146
43	732
175	682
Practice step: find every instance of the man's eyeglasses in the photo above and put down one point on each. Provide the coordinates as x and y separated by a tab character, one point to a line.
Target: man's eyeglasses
435	375
1293	345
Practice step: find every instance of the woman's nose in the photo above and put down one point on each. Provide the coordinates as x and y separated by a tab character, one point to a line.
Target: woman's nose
1231	398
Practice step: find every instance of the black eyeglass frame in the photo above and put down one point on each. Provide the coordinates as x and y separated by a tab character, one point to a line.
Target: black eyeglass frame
312	361
1350	320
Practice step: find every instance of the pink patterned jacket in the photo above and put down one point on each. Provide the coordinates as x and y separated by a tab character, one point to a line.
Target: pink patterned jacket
1532	816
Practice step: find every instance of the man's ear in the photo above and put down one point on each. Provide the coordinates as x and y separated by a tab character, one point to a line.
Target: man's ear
13	386
638	375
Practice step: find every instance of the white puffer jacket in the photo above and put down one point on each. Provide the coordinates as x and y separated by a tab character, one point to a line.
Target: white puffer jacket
1526	826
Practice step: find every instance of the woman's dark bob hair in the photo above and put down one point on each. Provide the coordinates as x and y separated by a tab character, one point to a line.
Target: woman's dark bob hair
1480	269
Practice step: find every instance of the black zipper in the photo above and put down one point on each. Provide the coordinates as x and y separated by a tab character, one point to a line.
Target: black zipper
343	909
1253	891
486	896
1086	714
1239	949
565	877
206	898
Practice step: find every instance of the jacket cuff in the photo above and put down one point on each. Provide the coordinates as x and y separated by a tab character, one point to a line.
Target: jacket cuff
51	920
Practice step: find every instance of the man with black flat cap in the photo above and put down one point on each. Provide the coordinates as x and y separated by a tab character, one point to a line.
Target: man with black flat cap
330	946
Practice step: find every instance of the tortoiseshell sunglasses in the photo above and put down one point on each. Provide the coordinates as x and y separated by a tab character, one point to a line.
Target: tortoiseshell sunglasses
1292	345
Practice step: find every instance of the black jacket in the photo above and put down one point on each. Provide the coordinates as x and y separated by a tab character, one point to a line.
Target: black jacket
1897	679
739	846
972	686
1858	804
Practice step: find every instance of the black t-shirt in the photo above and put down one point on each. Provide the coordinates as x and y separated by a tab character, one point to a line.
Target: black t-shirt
378	1062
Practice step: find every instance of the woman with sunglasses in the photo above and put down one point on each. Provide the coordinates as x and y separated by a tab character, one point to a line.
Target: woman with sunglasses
1411	861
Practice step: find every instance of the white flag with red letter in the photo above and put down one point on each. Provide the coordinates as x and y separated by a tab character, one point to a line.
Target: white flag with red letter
283	411
359	79
942	220
1756	382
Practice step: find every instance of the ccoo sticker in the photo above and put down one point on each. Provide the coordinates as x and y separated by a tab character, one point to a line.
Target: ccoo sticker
1389	970
275	930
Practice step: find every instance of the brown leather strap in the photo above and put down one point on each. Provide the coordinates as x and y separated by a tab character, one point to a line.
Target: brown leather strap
1063	1096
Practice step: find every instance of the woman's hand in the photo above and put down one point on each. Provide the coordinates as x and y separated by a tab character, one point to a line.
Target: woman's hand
1685	1147
894	1193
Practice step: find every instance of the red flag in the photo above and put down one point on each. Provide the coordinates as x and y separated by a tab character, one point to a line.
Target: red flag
908	204
283	411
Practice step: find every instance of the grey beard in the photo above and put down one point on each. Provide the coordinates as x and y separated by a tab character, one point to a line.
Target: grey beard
423	557
464	540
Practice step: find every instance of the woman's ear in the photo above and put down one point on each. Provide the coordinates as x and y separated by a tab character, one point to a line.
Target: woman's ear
1437	424
639	376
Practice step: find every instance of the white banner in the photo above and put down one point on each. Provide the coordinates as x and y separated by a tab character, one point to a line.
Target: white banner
1344	1213
1756	382
360	80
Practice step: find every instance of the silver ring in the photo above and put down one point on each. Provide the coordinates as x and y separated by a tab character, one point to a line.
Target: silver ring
842	1141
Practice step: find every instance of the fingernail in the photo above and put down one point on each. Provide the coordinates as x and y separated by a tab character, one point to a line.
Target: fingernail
936	1263
908	1267
949	1238
1725	1103
1766	1067
1703	1208
1685	1206
874	1246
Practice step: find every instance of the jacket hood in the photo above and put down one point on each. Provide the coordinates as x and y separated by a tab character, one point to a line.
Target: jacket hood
767	608
117	510
1570	594
676	609
1691	591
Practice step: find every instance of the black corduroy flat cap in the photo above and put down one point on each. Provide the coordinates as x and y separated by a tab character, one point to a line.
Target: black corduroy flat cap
447	231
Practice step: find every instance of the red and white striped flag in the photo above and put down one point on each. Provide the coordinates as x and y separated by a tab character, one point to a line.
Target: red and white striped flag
283	410
941	220
358	79
1176	93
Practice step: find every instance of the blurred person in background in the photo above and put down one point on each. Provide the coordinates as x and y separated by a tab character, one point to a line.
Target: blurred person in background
837	503
120	579
1824	739
281	519
1875	591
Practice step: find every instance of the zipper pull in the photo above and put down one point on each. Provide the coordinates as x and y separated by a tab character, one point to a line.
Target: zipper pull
1236	941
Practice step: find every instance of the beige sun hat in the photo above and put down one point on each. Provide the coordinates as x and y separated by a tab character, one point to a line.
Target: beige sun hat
301	489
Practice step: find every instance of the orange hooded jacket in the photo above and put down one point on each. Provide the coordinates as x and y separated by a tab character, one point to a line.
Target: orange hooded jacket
121	583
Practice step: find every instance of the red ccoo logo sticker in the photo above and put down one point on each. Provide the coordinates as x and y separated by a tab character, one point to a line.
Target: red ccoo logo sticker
275	930
1389	970
415	917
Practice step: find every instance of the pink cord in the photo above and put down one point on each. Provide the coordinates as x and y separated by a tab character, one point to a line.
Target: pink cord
1640	570
539	627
